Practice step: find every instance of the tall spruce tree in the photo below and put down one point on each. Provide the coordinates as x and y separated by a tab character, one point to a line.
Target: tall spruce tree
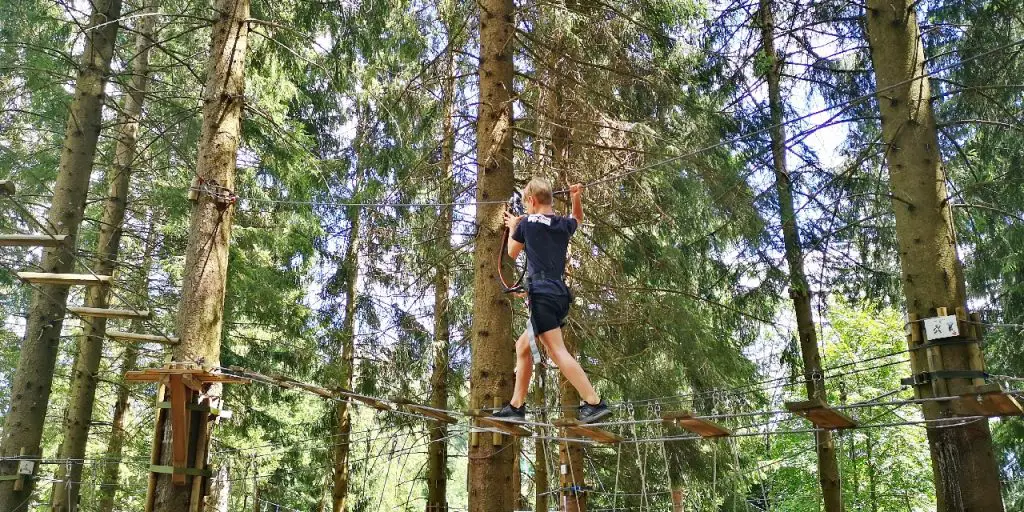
490	466
799	288
33	379
86	366
963	462
201	310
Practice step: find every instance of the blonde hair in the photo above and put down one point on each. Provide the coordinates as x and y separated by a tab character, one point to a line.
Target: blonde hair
539	189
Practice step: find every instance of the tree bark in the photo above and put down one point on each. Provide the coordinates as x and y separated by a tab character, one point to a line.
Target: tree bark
799	290
437	453
220	490
490	467
84	374
115	446
964	466
345	367
201	312
33	379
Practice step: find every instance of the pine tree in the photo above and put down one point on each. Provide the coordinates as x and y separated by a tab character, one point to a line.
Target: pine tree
963	463
33	379
799	289
90	344
490	467
201	311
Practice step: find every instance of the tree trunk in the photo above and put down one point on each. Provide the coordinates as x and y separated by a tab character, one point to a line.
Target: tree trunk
570	455
437	453
799	290
490	467
220	490
86	366
964	467
201	312
33	379
540	471
115	446
345	367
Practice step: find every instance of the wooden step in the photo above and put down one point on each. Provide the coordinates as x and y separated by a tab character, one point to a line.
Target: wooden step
144	338
32	240
699	426
988	400
125	314
65	279
820	414
510	427
574	427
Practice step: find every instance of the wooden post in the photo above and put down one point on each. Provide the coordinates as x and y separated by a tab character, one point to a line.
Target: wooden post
496	437
201	447
918	359
970	331
154	457
19	484
939	385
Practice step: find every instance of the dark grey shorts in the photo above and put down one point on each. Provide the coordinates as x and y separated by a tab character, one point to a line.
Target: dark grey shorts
548	312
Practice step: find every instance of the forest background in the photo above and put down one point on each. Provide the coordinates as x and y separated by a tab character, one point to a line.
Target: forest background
352	247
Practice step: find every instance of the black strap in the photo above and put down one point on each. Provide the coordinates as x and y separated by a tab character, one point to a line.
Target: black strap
922	378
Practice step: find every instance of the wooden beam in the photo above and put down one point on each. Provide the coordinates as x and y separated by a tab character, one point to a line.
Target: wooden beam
574	427
123	314
820	414
429	412
510	427
32	240
143	338
65	279
179	426
988	400
701	427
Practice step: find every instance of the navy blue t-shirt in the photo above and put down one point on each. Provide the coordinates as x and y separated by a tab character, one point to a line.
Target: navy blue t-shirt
547	242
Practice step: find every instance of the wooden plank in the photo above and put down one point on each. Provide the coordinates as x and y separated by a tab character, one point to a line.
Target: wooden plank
940	387
65	279
918	361
124	314
179	426
574	427
154	451
510	427
429	412
988	400
32	240
143	338
367	400
202	445
820	414
702	427
977	361
7	188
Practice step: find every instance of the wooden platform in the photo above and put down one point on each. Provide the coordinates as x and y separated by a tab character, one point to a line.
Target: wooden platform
143	338
989	400
184	383
820	414
574	427
122	314
510	427
701	427
32	240
65	279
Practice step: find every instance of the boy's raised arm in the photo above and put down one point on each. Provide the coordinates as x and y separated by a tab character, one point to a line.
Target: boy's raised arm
576	191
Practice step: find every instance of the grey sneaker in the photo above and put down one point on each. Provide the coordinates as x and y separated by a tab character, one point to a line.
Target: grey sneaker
593	413
511	413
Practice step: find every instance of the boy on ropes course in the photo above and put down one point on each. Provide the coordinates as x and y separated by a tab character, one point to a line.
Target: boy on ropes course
545	236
